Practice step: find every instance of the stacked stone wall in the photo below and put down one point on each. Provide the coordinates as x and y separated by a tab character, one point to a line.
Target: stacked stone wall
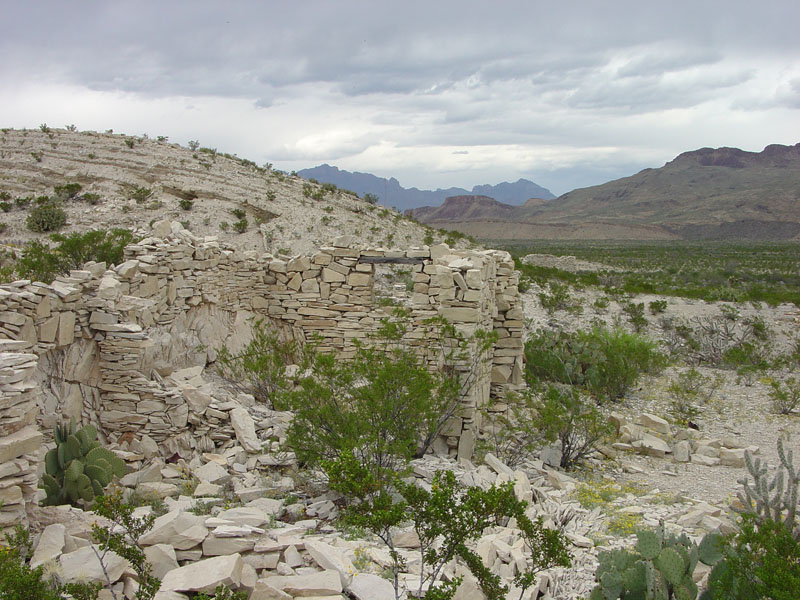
104	338
20	438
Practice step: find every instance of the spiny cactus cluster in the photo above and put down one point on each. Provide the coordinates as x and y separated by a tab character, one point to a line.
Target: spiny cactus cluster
660	568
78	468
775	499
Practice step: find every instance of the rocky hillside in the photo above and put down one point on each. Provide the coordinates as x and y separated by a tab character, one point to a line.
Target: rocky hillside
131	182
391	193
723	193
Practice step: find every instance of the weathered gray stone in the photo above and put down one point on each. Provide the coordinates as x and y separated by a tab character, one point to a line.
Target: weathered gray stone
245	429
366	586
264	591
161	558
84	564
205	575
329	557
50	545
179	529
323	583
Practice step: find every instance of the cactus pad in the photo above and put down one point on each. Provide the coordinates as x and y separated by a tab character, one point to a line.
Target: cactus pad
648	545
671	565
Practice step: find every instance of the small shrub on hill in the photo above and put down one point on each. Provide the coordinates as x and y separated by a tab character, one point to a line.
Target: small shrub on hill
46	217
785	396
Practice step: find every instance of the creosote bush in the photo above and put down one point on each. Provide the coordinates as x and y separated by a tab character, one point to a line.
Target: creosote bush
260	367
384	406
45	217
43	262
605	362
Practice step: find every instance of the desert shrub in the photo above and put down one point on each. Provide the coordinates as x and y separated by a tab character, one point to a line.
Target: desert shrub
240	226
762	560
785	396
42	262
657	307
564	414
541	415
23	201
18	581
524	285
76	249
260	367
139	194
91	198
446	519
719	341
371	198
271	195
383	406
635	312
308	189
5	206
688	392
186	203
46	217
606	362
558	297
67	191
239	213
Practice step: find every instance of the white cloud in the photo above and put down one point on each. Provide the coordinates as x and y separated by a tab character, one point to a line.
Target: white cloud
443	94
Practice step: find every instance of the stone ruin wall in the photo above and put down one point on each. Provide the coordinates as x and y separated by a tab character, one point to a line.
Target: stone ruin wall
95	346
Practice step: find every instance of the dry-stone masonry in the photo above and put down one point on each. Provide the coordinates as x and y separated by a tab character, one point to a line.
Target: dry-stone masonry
99	345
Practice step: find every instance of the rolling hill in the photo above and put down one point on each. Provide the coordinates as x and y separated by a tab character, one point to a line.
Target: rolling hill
722	193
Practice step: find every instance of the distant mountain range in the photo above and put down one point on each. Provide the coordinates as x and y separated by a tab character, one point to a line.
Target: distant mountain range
391	193
722	193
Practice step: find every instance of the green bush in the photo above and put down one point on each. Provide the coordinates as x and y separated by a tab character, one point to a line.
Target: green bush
635	312
446	519
186	203
383	406
67	191
260	367
558	297
5	206
371	198
240	226
657	307
46	217
42	262
139	194
18	581
761	561
563	414
785	396
688	392
606	362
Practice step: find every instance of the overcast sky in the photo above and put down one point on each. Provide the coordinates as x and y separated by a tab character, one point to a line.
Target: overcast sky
435	93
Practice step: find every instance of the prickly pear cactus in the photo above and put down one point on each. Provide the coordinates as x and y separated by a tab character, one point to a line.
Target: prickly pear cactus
78	469
660	567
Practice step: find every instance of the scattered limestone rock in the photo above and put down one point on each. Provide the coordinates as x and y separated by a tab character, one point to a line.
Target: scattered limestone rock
205	575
